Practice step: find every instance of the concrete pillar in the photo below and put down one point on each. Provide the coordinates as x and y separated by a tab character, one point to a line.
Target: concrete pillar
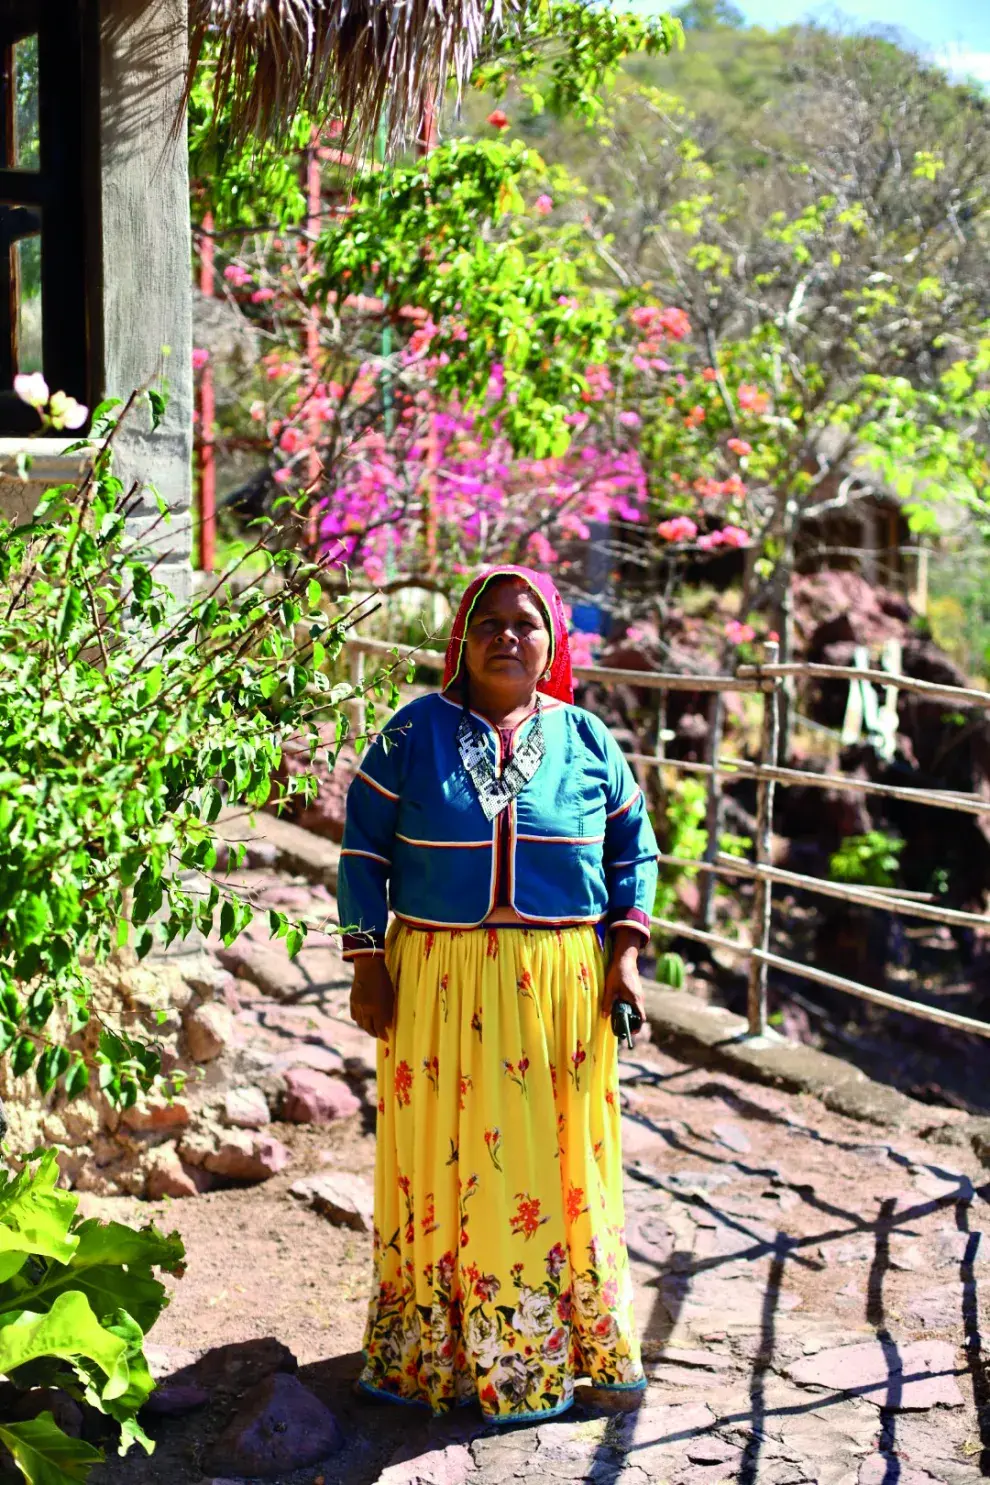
141	310
146	319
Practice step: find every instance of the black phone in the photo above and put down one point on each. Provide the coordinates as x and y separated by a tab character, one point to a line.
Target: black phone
626	1021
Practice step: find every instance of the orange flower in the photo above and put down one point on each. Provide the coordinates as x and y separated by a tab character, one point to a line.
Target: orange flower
403	1082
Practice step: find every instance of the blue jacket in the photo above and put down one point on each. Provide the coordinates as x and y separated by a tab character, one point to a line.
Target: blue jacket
575	846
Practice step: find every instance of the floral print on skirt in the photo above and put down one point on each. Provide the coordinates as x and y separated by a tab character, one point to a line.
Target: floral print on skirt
501	1270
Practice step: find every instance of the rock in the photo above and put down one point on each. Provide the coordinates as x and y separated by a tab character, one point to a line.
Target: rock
167	1176
320	1059
156	1115
344	1199
240	1365
880	1469
209	1029
246	1108
66	1412
710	1449
654	1437
242	1156
313	1098
896	1378
209	979
450	1466
198	1143
174	1400
732	1136
279	1427
266	965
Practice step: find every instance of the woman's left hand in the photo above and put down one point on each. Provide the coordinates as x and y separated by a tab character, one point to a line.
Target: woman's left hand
622	976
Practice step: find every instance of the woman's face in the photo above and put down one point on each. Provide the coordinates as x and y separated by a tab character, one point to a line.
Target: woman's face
507	645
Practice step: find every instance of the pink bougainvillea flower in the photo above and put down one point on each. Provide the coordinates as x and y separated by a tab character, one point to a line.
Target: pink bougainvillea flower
32	388
678	528
282	476
236	275
752	399
543	205
734	536
200	356
738	633
66	412
710	374
258	411
291	441
583	647
262	296
675	323
741	447
695	416
644	315
498	119
773	637
630	419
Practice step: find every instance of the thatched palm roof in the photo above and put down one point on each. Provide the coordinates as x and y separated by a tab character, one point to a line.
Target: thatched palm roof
356	59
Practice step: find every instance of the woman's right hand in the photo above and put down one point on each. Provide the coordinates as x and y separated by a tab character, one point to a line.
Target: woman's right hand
373	996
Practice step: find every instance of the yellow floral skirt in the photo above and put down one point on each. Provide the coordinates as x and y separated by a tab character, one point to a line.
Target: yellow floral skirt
501	1270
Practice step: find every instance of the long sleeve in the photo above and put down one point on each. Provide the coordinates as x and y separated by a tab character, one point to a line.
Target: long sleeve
630	848
366	855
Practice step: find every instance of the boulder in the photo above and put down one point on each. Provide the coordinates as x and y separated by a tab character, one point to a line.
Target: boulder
280	1427
344	1199
175	1400
209	1030
239	1365
156	1114
266	965
167	1176
313	1098
319	1058
243	1156
246	1108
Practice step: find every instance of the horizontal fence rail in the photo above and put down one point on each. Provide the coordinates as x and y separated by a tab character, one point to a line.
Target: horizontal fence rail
767	680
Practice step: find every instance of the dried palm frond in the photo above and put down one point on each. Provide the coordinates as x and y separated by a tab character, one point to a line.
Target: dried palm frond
357	60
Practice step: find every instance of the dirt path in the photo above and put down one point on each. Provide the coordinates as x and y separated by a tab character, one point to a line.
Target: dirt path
809	1294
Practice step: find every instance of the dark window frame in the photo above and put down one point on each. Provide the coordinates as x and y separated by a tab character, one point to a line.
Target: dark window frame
64	190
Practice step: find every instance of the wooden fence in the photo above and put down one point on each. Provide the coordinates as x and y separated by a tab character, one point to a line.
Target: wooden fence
768	679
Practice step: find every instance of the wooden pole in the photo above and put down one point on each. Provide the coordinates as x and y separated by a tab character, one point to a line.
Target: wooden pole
713	813
427	141
207	418
314	222
763	889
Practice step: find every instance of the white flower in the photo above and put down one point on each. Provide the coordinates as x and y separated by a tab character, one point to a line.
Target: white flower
586	1300
534	1313
556	1346
32	389
627	1370
482	1338
66	412
512	1379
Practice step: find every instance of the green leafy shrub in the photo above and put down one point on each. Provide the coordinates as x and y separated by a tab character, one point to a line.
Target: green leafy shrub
870	860
76	1301
129	719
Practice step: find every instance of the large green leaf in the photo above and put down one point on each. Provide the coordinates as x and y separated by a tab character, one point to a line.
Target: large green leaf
34	1218
69	1329
112	1266
45	1455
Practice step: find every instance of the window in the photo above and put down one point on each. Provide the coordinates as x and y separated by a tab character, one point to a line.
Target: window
49	194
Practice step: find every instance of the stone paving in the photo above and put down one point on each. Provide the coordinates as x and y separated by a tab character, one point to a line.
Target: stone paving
810	1289
809	1295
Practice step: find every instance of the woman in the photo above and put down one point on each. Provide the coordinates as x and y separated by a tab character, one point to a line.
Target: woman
504	829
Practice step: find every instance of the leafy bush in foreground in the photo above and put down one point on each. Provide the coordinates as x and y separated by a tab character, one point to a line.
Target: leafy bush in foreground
76	1300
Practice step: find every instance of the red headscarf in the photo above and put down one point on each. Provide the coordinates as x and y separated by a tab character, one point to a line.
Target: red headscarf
560	682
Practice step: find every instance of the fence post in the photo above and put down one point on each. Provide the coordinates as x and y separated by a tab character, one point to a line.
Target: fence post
355	671
763	891
713	813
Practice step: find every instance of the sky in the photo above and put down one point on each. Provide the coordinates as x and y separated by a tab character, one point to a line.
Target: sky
953	32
